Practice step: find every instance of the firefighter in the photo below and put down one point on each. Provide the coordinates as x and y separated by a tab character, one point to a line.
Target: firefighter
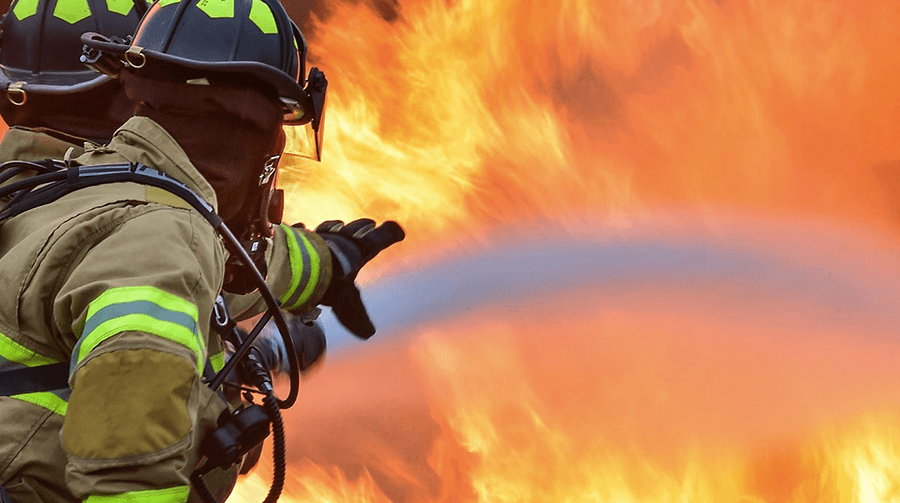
119	280
54	103
51	102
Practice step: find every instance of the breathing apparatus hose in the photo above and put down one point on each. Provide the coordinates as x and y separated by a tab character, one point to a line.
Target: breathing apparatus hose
279	452
279	456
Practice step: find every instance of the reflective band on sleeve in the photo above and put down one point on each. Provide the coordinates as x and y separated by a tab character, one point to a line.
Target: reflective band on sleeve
171	495
13	355
217	361
304	269
141	309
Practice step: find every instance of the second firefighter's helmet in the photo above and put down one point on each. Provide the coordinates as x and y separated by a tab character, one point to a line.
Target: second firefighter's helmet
40	43
233	42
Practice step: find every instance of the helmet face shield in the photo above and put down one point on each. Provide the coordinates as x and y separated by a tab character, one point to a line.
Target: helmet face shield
295	113
303	141
304	122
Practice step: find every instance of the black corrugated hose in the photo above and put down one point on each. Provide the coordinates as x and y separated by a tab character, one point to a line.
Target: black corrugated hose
278	447
270	403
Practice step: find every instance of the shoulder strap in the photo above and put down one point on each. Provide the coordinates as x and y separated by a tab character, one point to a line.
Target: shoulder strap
32	379
46	188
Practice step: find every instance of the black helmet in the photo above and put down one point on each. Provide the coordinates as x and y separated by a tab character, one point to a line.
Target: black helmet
249	42
40	43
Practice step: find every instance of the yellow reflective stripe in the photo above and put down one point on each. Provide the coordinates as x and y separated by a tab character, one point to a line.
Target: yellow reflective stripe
142	309
24	9
139	322
171	495
262	17
163	3
217	361
159	297
296	262
72	11
16	353
217	8
313	275
46	400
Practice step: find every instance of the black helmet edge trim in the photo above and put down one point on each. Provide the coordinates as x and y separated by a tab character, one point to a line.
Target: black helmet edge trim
39	88
283	84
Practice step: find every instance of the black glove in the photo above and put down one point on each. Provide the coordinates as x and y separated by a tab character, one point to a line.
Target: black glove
352	246
309	342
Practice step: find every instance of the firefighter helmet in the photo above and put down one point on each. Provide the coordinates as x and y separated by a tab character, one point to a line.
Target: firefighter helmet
40	43
247	42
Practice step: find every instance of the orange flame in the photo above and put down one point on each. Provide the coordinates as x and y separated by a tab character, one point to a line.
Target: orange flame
617	406
461	115
457	118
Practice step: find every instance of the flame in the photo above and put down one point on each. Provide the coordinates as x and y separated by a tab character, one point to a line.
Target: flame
459	116
617	406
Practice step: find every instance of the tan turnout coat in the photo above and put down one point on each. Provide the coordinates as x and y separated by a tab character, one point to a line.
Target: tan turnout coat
119	280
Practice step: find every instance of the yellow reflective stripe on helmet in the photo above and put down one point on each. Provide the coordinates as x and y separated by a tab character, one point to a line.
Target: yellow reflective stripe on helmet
262	17
72	11
46	400
304	269
142	309
122	7
217	361
171	495
163	3
24	9
217	8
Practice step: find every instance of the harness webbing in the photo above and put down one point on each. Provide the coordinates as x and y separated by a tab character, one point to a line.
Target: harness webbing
34	379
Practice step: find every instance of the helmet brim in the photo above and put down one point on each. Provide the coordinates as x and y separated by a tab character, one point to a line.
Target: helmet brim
141	59
51	82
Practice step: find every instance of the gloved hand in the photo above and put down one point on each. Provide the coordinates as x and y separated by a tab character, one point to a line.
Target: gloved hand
352	246
309	342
